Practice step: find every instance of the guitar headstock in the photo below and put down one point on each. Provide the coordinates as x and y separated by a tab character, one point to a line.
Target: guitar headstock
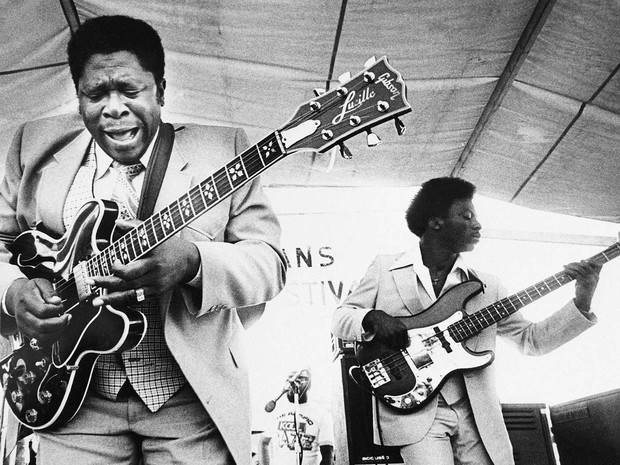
371	97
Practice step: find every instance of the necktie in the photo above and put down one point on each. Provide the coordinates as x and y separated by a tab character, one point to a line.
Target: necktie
149	367
124	192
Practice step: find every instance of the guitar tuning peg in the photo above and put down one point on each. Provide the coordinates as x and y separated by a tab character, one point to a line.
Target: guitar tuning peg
371	61
400	126
372	139
318	92
345	152
344	78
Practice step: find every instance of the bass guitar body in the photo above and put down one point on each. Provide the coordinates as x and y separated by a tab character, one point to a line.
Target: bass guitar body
407	379
46	386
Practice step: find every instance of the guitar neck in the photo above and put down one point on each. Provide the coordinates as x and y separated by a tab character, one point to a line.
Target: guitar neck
473	324
371	97
197	201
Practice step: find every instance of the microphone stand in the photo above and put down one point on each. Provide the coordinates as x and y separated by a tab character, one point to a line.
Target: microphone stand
299	453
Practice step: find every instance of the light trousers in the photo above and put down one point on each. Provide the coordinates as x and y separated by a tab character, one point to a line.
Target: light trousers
453	439
126	432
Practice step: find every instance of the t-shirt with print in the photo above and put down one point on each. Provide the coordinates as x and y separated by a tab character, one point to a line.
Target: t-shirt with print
315	427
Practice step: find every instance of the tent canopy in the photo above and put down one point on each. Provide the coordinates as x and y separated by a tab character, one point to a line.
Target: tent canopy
522	98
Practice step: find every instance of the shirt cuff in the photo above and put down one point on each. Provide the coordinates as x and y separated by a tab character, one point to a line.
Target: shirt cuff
5	310
196	281
589	315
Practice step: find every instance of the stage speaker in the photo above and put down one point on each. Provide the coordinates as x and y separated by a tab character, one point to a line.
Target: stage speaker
587	430
352	411
530	434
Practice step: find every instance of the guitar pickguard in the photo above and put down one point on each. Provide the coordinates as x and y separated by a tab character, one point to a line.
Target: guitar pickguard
408	378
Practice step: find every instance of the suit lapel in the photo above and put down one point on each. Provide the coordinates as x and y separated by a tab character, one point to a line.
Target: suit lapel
56	181
406	281
176	182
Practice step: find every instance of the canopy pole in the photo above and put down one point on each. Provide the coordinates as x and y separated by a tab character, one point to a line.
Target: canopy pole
332	62
71	14
566	130
527	39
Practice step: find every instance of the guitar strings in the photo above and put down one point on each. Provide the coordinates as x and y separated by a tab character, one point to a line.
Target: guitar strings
397	359
463	327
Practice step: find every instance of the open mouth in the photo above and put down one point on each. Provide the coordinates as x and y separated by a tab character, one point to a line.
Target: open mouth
122	135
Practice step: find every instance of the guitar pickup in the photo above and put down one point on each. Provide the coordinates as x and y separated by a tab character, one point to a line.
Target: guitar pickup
376	373
80	274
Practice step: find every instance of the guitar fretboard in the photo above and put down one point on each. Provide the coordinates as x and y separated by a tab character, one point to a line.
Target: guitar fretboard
470	325
197	201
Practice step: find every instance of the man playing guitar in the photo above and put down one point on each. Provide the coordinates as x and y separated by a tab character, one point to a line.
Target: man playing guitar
178	391
462	423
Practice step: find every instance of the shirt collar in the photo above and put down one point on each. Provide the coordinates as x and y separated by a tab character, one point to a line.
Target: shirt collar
104	161
460	263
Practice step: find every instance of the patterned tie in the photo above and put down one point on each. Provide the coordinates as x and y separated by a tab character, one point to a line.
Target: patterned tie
149	367
124	192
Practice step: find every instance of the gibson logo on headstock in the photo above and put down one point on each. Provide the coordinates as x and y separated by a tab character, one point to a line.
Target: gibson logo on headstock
351	103
386	80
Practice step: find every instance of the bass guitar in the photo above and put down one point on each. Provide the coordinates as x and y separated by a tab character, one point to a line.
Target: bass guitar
407	379
46	386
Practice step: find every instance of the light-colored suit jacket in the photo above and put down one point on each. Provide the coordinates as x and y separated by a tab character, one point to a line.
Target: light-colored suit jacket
390	284
242	263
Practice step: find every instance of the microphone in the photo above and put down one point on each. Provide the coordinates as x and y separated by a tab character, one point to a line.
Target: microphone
269	406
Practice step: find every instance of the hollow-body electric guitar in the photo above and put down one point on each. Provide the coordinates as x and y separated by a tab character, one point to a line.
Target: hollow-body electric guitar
46	386
407	379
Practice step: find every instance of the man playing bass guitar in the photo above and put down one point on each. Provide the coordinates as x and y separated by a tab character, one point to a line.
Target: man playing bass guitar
461	422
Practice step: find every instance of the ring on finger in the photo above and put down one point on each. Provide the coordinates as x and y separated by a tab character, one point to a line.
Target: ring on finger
34	344
140	295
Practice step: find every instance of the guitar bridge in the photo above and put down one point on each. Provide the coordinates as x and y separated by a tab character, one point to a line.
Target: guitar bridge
80	273
376	373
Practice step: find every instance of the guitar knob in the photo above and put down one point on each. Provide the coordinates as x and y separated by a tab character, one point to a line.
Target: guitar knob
383	106
372	139
355	120
27	378
400	126
31	415
345	152
315	106
344	78
45	397
17	396
369	76
327	134
371	61
41	364
318	92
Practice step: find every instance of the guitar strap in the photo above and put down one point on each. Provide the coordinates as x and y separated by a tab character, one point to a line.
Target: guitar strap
156	170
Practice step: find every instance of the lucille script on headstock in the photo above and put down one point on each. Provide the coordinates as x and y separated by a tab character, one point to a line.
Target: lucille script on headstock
351	103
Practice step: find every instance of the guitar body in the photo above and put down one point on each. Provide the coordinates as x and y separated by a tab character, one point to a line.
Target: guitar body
406	380
47	386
